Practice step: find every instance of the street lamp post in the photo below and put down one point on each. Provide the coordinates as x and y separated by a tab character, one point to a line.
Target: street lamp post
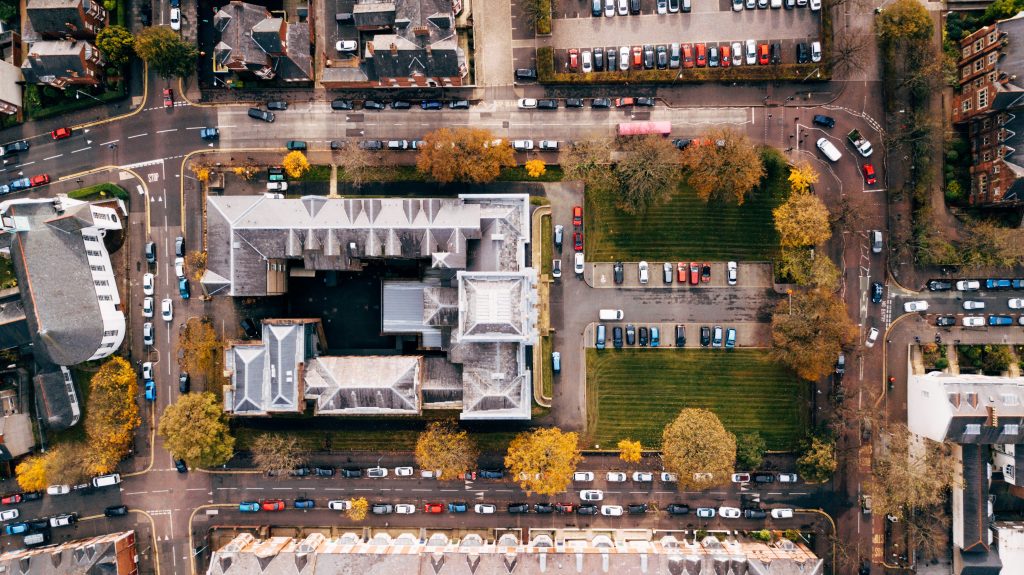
79	93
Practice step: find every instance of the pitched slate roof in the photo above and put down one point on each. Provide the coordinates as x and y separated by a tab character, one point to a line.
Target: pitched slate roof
266	376
54	16
361	385
56	58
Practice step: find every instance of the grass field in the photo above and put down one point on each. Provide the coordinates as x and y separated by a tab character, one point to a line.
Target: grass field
635	393
685	227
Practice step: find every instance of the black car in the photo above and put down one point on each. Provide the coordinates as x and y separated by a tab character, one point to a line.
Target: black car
300	472
401	105
41	524
598	59
763	477
876	292
526	74
680	336
634	6
277	105
459	104
617	337
518	507
635	508
945	321
15	147
587	509
643	336
776	53
601	103
249	327
705	336
116	511
371	145
681	143
662	52
543	508
648	56
490	474
257	114
181	466
351	472
595	8
431	105
183	383
644	101
373	105
754	514
381	509
547	104
677	509
574	102
617	272
826	121
32	496
803	53
336	145
630	334
323	471
341	104
940	285
612	55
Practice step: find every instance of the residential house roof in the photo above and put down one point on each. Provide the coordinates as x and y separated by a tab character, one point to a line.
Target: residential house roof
363	385
109	554
56	16
55	59
52	398
251	39
11	79
267	376
978	409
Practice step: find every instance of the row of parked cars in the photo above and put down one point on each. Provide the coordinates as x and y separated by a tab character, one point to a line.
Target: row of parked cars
709	336
685	55
610	8
697	273
993	320
974	285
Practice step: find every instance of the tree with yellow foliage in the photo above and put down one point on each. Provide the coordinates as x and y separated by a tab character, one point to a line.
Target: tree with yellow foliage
464	155
358	510
445	448
69	463
194	429
200	348
32	473
802	221
536	168
801	177
630	451
543	460
202	173
113	414
295	164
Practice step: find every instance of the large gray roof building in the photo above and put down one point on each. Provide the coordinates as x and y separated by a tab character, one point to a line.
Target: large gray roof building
476	302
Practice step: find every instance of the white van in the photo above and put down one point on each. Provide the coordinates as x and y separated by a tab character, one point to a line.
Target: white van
829	149
106	480
610	315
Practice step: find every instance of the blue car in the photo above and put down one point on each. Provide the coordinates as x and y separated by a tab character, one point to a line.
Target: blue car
4	189
150	390
15	528
304	503
1000	320
22	184
209	133
730	337
457	507
998	284
249	506
431	105
1017	284
183	288
655	337
490	474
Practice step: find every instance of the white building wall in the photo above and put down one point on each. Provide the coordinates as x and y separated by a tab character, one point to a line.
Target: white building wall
928	408
104	281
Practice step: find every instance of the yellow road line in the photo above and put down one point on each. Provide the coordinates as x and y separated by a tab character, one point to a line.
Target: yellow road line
191	542
142	105
152	528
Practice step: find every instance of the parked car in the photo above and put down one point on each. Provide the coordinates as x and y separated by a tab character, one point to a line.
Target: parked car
732	273
643	476
782	513
433	508
591	495
516	508
825	121
116	511
615	477
484	508
705	512
945	321
876	292
249	506
377	472
973	321
258	114
872	337
587	509
642	269
583	476
705	336
458	507
273	505
677	509
999	320
968	285
869	174
915	306
405	509
973	304
754	514
341	104
741	478
382	509
940	285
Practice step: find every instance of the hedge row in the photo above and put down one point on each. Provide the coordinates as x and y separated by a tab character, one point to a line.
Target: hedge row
544	19
99	191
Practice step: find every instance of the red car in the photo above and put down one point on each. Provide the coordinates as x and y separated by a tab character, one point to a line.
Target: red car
694	273
705	272
687	56
623	102
577	241
762	54
273	505
681	272
574	59
577	216
869	174
61	133
724	59
433	508
565	507
702	55
40	180
168	98
11	499
638	57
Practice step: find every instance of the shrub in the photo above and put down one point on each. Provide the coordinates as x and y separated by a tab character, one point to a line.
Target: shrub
99	191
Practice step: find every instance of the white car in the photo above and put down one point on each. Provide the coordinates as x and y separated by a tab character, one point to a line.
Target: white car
147	284
737	54
377	472
669	477
339	505
662	6
484	508
147	334
167	309
741	478
179	267
8	514
782	513
578	263
975	304
58	490
815	51
1016	303
405	509
643	269
815	5
591	495
732	272
522	145
872	336
751	52
623	7
624	58
277	186
587	62
346	46
527	103
609	8
615	476
175	19
147	307
403	472
549	145
729	513
706	512
583	476
912	306
62	520
147	370
968	285
611	510
737	5
643	476
788	478
974	321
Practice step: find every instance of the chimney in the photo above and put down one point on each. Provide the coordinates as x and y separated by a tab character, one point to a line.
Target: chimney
394	49
421	31
993	419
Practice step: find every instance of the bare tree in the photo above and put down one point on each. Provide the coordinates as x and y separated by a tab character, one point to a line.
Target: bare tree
276	454
359	164
848	53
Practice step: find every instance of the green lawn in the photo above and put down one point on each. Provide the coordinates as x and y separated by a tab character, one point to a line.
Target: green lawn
634	393
685	227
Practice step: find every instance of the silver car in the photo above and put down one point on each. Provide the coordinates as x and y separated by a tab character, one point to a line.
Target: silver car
624	58
609	8
751	52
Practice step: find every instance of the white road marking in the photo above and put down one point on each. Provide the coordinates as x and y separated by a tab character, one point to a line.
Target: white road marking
169	130
110	142
25	164
282	488
82	150
137	493
161	491
227	488
138	135
52	157
196	489
195	128
423	490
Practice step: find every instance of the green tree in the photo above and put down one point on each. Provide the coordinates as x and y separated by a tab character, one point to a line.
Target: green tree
543	460
808	267
116	43
647	172
194	429
723	165
464	155
275	453
1001	10
165	52
445	448
818	461
904	21
8	10
809	329
996	359
698	449
750	448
